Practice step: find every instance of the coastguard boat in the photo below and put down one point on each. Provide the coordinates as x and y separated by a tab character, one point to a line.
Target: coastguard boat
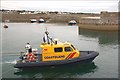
54	53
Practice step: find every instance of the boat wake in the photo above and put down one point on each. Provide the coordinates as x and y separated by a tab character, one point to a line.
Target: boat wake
11	62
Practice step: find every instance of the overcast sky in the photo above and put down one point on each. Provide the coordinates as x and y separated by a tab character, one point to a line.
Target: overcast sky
85	6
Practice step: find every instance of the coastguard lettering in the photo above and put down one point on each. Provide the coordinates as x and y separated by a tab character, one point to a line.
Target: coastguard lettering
49	57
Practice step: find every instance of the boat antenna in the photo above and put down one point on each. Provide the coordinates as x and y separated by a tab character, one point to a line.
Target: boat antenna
46	28
46	32
48	39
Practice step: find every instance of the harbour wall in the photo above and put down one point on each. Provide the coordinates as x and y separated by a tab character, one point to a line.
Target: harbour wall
99	27
105	18
107	21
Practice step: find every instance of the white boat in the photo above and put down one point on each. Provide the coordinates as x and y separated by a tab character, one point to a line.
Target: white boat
72	22
41	20
33	20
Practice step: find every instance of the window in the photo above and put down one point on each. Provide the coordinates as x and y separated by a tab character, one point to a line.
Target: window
59	49
67	49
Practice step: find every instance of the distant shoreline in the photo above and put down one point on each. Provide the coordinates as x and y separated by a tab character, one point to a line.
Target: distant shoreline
105	21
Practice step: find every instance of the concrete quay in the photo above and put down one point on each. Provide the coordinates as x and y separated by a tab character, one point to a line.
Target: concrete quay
99	27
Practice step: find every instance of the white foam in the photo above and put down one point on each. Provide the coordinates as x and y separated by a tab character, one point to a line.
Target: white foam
11	62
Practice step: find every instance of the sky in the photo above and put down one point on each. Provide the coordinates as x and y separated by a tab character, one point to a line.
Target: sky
85	6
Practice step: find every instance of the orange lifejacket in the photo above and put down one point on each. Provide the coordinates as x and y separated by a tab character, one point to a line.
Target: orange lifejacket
31	57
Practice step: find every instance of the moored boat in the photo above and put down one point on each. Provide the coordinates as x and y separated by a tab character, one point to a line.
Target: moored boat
54	53
33	20
5	26
72	22
41	20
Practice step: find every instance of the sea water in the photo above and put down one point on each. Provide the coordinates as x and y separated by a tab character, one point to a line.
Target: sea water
15	37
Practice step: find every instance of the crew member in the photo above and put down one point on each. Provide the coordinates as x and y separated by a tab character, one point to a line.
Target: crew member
28	48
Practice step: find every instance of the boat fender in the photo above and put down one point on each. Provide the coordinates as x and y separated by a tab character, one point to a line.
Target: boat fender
31	57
